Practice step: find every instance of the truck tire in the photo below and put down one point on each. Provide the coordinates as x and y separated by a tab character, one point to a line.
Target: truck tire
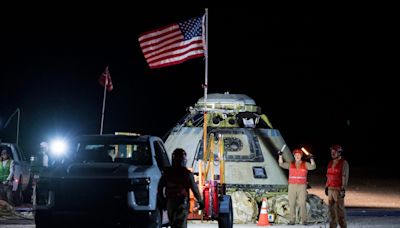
27	193
17	198
147	219
225	220
43	219
156	219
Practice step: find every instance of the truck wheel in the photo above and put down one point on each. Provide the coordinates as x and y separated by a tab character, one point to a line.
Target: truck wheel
225	220
156	219
16	195
27	193
147	220
43	219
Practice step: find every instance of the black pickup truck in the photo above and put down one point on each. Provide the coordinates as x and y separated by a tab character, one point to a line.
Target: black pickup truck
107	180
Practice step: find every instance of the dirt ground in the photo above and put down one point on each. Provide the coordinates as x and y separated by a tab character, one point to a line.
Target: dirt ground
371	188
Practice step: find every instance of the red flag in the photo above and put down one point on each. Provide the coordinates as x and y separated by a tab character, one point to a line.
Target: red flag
105	80
173	44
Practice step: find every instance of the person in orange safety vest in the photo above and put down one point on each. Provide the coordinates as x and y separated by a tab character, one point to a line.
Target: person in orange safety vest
297	189
337	177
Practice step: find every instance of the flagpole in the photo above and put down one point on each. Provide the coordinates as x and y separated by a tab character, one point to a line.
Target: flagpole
205	86
206	56
104	105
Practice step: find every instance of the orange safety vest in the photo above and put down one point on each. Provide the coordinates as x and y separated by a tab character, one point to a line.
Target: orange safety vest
297	176
334	174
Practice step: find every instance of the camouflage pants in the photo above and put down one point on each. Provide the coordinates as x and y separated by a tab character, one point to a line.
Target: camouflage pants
297	194
6	193
337	210
178	210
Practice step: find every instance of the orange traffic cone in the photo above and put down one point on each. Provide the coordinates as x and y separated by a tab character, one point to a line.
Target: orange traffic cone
263	218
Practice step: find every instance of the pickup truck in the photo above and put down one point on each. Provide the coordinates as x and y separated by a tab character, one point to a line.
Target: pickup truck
106	180
22	179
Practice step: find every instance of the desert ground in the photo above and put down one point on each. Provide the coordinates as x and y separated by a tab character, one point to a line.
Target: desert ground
369	188
374	190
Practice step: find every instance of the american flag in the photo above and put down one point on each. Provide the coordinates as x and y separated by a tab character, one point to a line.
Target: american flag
105	80
173	44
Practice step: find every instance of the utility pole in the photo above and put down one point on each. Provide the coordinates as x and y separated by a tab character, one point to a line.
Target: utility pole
18	112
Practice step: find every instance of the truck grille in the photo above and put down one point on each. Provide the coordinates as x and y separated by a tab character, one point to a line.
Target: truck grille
91	194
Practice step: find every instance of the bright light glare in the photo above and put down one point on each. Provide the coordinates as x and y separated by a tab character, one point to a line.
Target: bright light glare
58	147
305	151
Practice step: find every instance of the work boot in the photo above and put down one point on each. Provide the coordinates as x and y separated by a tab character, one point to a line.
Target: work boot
291	223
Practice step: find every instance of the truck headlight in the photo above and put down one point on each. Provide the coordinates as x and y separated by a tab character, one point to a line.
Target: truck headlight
58	147
140	181
140	187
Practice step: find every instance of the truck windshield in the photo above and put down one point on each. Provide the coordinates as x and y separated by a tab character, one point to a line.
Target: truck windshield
131	153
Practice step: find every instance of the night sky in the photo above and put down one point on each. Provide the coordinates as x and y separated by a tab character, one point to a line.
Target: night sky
319	78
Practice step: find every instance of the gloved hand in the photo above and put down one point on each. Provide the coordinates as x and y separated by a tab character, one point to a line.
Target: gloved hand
280	153
342	193
201	205
310	156
326	191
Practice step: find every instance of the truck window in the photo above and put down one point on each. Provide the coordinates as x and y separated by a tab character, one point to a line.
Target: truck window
161	155
21	153
135	154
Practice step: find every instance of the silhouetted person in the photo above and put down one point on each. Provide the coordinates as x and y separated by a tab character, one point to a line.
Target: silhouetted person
177	180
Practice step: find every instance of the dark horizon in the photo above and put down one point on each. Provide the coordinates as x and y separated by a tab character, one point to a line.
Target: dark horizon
314	76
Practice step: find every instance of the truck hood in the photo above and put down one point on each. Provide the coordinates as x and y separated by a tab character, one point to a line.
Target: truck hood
97	170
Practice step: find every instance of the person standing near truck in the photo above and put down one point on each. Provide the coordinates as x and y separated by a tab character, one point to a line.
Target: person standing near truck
6	174
177	180
38	165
